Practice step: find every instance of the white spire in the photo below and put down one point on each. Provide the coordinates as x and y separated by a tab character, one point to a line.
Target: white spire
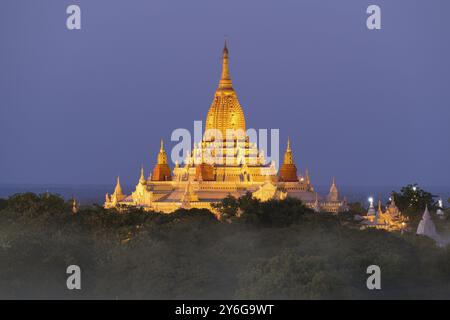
439	211
334	193
142	177
392	200
426	226
371	211
316	206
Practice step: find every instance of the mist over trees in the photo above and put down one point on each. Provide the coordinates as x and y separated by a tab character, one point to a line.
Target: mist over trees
255	250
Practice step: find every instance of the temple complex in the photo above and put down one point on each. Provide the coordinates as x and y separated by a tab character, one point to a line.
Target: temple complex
391	219
225	162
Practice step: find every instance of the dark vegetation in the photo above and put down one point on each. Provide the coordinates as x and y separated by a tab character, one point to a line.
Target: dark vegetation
411	200
276	249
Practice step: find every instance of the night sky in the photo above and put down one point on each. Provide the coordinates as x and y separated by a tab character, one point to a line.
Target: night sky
82	106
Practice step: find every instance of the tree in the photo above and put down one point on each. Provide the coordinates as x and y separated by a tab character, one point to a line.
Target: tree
228	207
247	203
411	200
3	203
33	204
356	208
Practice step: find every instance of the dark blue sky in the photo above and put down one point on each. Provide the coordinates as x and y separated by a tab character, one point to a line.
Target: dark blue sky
370	107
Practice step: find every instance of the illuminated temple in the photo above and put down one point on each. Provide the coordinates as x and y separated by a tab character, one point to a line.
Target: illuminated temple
224	163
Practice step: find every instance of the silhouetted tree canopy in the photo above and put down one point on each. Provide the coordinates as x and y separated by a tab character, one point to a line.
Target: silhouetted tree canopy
411	200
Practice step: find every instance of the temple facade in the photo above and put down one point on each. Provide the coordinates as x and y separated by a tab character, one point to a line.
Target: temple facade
224	163
391	219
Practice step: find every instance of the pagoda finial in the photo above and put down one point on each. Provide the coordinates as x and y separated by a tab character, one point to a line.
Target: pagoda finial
308	180
118	189
333	183
334	193
162	157
142	177
288	158
225	80
225	48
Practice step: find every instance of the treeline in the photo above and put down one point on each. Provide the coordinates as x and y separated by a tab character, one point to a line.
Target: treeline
275	249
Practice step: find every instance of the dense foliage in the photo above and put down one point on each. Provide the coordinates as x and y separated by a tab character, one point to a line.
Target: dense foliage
275	249
411	200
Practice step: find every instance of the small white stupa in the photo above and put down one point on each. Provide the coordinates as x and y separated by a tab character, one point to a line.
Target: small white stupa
316	206
439	211
427	228
371	211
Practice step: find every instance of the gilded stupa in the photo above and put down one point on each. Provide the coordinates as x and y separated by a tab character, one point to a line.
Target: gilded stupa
225	112
225	162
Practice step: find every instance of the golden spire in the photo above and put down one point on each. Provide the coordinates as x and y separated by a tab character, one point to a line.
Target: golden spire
225	70
118	189
74	205
162	157
333	188
379	206
288	159
225	111
225	79
334	194
142	178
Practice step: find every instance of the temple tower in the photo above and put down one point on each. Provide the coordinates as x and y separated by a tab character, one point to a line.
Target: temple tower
118	195
142	179
333	195
161	171
288	170
371	211
225	112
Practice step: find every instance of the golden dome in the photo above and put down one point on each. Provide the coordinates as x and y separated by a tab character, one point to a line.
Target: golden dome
225	111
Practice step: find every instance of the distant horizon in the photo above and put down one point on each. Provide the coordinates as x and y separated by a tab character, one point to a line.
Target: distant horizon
94	193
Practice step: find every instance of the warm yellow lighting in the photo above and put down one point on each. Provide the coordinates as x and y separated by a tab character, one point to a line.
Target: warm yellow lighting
219	166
